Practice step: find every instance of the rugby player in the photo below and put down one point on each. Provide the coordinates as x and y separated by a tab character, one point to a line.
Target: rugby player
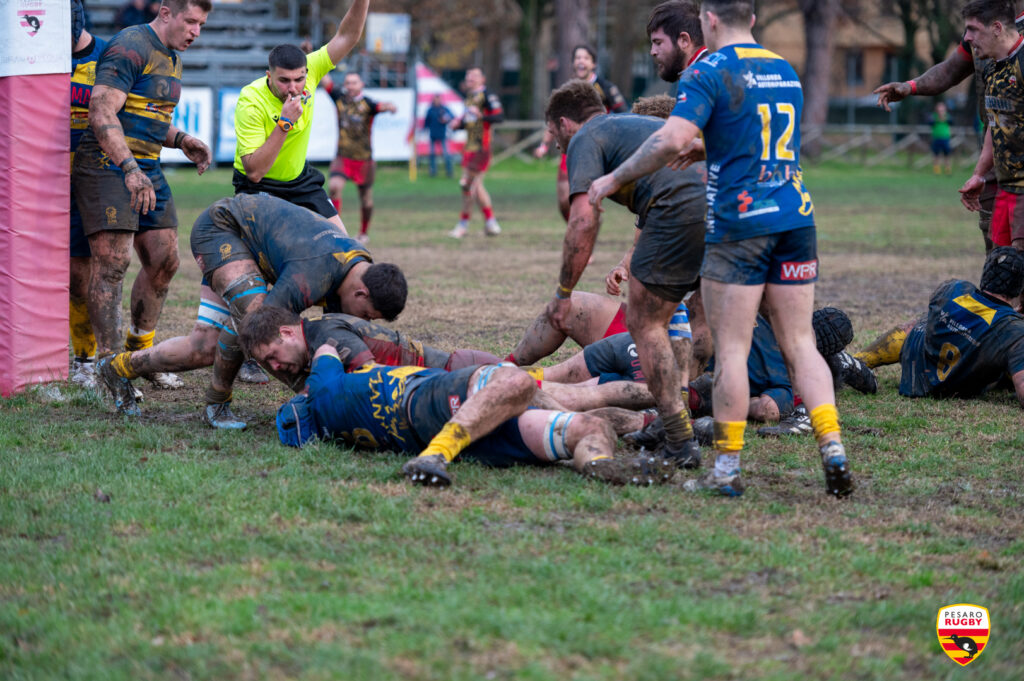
282	341
120	190
354	160
477	413
991	31
970	339
483	109
274	120
242	244
584	67
961	63
664	265
760	232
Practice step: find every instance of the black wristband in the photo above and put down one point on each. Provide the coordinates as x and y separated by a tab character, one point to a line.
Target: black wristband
129	165
178	137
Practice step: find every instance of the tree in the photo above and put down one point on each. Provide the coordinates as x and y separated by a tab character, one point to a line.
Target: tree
819	35
572	18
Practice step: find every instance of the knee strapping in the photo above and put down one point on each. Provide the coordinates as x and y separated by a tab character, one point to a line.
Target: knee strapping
556	435
227	345
239	294
485	375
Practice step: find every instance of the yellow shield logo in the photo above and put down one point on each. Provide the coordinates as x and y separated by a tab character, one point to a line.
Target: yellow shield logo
225	251
963	630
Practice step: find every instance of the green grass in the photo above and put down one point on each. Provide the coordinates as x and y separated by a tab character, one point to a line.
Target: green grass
227	556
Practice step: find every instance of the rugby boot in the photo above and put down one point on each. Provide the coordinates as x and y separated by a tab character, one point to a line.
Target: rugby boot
685	454
648	437
642	471
701	387
165	380
251	372
730	485
838	481
83	372
704	430
796	422
120	388
848	370
492	228
363	238
460	230
430	471
219	415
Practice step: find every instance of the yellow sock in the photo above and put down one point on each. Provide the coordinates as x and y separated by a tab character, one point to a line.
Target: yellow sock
452	439
536	373
140	340
885	350
122	364
728	436
825	421
83	342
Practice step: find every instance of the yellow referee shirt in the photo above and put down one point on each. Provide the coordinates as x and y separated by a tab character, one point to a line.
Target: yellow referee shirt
255	116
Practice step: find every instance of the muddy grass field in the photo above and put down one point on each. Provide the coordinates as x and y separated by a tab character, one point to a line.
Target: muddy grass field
227	556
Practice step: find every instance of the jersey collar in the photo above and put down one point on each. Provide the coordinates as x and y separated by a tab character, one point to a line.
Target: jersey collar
697	56
1015	49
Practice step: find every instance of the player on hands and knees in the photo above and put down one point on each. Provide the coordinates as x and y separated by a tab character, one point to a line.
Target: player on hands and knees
244	243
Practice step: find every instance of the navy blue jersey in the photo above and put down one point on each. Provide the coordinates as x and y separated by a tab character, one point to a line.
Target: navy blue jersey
83	74
665	196
614	358
967	342
748	101
365	408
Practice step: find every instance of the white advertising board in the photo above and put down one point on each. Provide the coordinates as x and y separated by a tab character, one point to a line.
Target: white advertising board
35	37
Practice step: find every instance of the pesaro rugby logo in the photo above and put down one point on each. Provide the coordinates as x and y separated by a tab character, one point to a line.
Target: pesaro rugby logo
963	631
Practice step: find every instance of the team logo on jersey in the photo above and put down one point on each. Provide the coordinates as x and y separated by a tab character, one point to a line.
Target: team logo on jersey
225	251
963	630
749	79
799	271
111	214
31	19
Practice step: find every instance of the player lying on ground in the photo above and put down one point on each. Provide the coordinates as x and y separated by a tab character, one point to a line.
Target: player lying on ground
284	343
242	244
478	413
969	340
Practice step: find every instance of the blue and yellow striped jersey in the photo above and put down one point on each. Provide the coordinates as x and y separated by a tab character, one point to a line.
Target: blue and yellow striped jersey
137	63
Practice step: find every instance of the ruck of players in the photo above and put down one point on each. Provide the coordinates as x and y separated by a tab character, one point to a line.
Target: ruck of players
708	335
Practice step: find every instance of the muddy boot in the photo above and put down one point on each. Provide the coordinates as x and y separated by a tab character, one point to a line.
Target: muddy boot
430	470
642	471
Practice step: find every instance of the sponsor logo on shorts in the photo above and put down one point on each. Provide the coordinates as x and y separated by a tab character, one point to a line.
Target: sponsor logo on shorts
454	403
799	271
963	630
111	214
225	251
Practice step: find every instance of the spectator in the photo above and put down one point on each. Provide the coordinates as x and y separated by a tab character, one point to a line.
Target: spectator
940	140
136	12
436	122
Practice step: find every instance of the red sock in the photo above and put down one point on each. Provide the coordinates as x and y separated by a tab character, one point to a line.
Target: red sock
512	359
364	227
464	216
337	205
694	402
797	400
488	212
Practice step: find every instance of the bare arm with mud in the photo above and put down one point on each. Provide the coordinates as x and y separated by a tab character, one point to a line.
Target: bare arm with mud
580	235
106	101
